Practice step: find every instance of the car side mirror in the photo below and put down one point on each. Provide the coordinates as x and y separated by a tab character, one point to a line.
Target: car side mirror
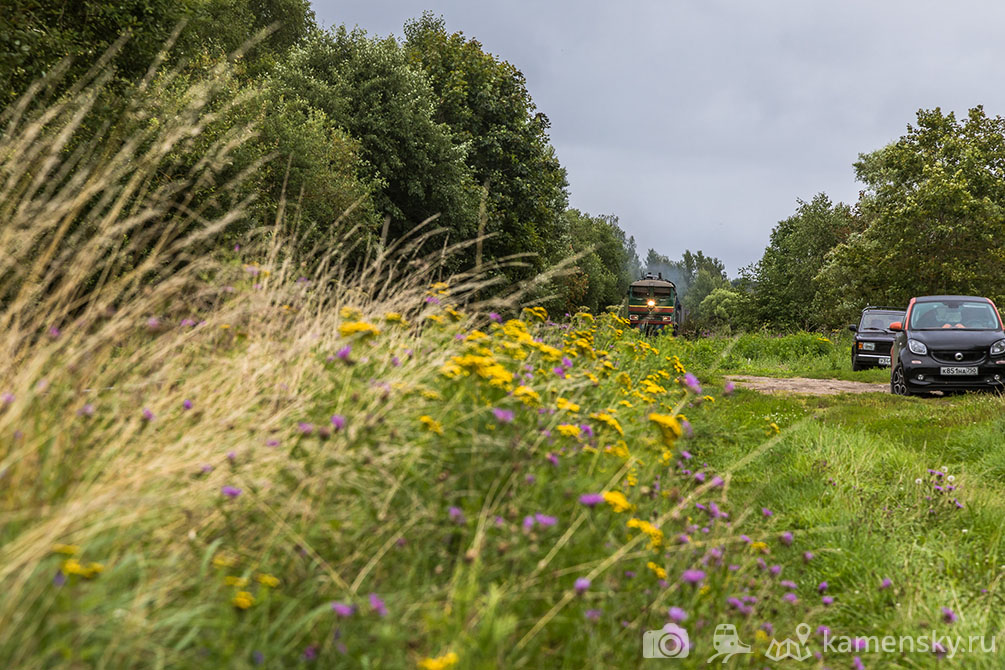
897	326
853	328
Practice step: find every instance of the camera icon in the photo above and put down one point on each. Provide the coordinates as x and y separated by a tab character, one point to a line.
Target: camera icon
671	641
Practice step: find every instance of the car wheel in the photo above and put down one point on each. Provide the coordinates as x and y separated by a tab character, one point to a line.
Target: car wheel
898	384
855	367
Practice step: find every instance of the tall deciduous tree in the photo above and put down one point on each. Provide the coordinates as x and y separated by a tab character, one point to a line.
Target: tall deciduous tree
934	207
794	256
485	102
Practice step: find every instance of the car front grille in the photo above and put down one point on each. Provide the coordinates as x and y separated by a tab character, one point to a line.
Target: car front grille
968	357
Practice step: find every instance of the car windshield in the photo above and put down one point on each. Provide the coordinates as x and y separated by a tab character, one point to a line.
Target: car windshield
879	320
958	314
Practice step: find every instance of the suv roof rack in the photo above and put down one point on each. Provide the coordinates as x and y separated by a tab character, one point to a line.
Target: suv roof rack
892	309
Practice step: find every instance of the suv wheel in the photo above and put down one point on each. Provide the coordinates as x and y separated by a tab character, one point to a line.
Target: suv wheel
855	367
898	384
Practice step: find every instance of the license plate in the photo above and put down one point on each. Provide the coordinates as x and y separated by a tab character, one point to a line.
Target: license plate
868	346
884	360
958	371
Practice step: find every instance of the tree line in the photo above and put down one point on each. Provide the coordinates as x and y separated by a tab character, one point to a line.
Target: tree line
363	138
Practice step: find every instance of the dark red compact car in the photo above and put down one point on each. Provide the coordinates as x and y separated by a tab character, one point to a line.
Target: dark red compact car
948	343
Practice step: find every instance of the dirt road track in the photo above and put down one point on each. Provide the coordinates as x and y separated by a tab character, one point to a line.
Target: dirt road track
806	386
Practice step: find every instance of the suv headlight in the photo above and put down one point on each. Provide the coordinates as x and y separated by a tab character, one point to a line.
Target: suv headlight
998	348
917	347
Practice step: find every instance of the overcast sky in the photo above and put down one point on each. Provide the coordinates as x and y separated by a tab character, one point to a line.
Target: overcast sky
700	122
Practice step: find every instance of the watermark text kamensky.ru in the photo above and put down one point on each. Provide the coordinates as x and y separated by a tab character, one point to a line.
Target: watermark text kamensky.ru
948	645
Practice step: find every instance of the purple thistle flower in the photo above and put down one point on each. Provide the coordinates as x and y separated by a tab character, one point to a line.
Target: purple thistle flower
231	456
790	597
592	615
456	515
545	520
59	578
822	586
503	415
886	583
807	556
187	404
859	643
231	491
559	371
493	316
699	477
938	650
677	615
528	522
827	600
728	388
530	479
86	410
53	332
206	469
717	481
552	458
338	421
788	584
343	610
786	538
343	353
272	443
775	570
693	576
948	615
305	428
685	426
378	605
586	429
581	584
432	300
566	362
147	414
823	631
7	398
767	512
856	664
591	499
310	653
153	323
691	382
686	455
187	323
395	361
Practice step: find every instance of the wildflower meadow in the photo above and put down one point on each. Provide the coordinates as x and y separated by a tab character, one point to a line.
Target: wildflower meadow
212	458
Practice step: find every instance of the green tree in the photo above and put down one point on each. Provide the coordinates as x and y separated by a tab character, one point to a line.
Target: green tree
602	275
365	87
486	104
794	256
933	214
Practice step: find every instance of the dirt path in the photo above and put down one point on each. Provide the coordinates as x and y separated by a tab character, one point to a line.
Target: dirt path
806	386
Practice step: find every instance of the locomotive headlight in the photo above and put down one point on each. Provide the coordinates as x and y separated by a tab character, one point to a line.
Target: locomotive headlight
651	303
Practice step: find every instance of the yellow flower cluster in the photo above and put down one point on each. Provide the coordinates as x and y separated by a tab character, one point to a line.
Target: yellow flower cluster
529	396
669	427
440	663
243	600
608	420
654	533
618	501
361	328
486	367
657	570
568	429
567	405
72	566
540	313
267	580
431	424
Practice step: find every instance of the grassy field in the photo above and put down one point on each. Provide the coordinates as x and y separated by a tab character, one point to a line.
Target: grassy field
210	460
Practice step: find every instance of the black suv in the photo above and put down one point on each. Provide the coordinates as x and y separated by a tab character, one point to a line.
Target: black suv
873	337
948	343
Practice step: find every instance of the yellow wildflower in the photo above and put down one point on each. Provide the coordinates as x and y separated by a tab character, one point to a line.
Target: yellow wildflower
66	549
603	417
708	398
568	429
358	328
267	580
540	313
625	380
625	403
669	427
773	428
224	561
431	424
429	394
617	500
239	582
352	313
704	589
657	570
243	600
440	663
475	336
395	317
592	377
761	547
435	318
761	635
528	395
567	405
654	533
